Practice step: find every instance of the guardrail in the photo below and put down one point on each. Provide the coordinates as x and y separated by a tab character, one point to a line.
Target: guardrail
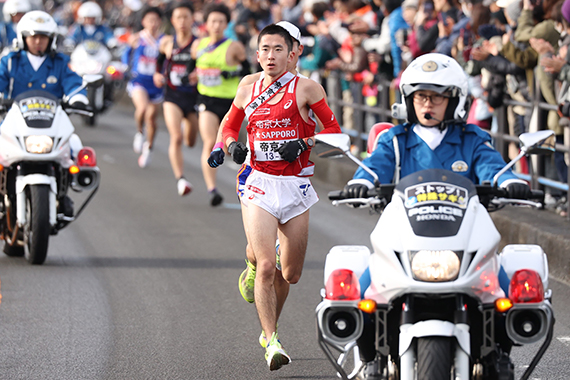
365	117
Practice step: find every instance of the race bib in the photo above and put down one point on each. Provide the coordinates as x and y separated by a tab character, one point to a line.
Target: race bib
267	150
209	77
176	74
146	66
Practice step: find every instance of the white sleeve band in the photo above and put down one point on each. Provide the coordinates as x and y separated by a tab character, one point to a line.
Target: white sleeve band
509	181
79	98
361	181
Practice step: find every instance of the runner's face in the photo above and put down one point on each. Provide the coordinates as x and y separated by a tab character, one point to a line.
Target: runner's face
272	54
182	20
151	22
216	24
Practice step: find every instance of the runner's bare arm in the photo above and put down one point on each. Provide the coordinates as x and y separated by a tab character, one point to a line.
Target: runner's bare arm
247	80
158	76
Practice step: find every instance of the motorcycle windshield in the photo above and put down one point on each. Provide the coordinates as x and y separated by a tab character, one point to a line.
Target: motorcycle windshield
92	46
37	108
435	201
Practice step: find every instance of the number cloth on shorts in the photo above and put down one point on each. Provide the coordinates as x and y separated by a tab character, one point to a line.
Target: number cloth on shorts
284	197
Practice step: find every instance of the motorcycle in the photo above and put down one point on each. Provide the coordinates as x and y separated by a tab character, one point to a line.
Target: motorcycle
92	57
41	158
435	308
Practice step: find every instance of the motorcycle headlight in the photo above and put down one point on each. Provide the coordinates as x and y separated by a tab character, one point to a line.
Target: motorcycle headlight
435	266
39	144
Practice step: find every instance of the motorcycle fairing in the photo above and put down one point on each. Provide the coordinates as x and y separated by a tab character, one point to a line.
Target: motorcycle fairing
37	108
435	200
393	239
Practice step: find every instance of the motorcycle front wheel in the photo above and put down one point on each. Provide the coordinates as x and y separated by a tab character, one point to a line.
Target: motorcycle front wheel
37	227
434	358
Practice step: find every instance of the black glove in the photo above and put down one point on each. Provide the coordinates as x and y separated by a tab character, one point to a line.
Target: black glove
292	149
184	79
238	151
216	158
517	190
79	106
356	190
226	74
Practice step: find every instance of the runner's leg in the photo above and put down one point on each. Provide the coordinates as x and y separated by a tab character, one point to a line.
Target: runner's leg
141	102
173	117
261	230
209	124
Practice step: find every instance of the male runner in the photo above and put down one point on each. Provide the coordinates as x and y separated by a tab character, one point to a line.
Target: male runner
278	192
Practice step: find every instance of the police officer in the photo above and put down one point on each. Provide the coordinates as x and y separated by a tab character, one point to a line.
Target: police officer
434	87
13	10
90	27
37	65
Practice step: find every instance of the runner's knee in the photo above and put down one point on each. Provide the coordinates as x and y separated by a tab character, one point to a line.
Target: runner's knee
265	270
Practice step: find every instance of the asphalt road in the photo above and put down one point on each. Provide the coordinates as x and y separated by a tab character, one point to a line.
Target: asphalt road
144	284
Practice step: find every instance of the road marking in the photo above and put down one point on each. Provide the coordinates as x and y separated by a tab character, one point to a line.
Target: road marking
564	339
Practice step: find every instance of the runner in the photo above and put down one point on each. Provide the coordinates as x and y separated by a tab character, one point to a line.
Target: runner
278	193
180	96
218	62
141	57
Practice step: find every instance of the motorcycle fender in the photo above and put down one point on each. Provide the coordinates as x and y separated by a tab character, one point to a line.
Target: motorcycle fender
434	328
34	179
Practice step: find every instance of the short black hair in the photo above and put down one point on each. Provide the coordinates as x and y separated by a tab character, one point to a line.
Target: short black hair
274	29
183	4
217	7
148	10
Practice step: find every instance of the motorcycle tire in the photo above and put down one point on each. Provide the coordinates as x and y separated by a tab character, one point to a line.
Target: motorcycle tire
37	228
13	250
434	358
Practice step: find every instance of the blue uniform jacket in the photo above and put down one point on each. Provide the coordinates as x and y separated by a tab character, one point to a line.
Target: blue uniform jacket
7	34
465	149
102	34
53	76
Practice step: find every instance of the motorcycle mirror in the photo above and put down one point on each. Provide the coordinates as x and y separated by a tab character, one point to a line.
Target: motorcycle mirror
541	142
333	145
93	80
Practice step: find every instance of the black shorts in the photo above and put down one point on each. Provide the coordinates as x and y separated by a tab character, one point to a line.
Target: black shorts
219	106
186	101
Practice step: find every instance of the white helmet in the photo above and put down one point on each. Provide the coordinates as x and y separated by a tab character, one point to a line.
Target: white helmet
34	23
439	73
90	9
11	7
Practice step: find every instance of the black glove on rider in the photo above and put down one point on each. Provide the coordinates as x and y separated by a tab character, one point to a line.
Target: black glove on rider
216	158
292	149
356	190
79	106
238	151
518	190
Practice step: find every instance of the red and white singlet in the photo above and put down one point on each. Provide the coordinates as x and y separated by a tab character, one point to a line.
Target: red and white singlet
272	125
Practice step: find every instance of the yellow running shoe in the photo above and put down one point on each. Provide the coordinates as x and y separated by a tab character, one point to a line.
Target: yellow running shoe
275	354
263	338
246	282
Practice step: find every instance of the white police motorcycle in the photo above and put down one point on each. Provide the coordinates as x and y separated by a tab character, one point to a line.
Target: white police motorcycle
40	159
434	309
92	57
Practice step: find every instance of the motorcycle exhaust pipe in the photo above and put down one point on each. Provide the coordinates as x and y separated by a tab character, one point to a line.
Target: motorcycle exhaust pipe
340	325
528	323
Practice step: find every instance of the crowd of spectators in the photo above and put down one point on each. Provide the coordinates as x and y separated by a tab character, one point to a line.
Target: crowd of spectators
505	46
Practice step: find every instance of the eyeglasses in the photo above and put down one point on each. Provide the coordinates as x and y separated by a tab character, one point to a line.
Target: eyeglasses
435	99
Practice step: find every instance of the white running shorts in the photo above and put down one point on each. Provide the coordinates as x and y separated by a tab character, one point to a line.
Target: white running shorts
284	197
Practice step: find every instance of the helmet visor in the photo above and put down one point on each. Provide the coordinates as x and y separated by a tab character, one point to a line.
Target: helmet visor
451	91
30	33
